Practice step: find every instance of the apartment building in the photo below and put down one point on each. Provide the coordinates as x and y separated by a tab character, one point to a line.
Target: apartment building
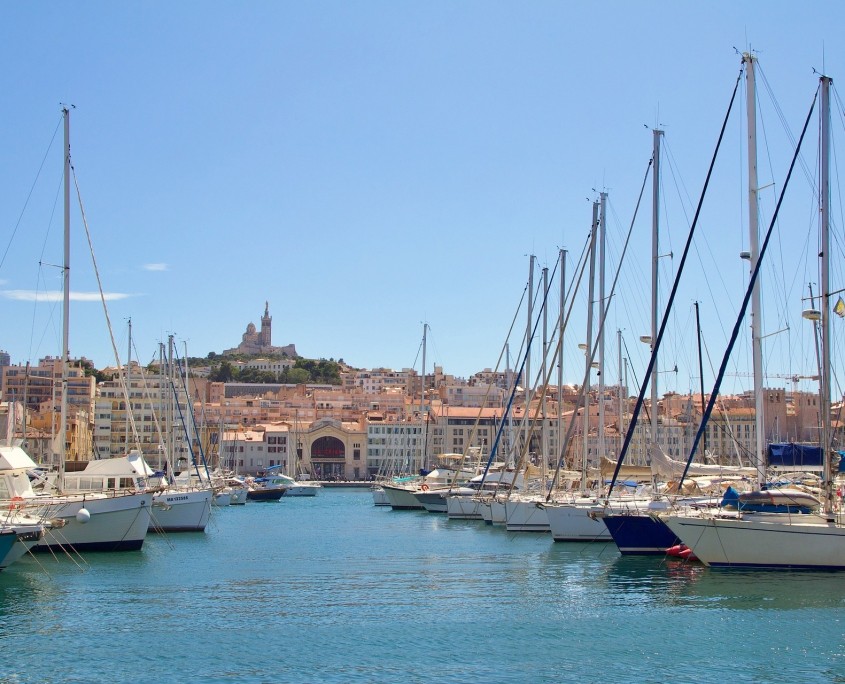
160	413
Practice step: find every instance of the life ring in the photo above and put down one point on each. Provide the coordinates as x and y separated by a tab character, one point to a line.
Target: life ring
15	503
424	488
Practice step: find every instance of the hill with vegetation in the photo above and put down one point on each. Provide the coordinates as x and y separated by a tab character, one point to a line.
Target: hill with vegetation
311	371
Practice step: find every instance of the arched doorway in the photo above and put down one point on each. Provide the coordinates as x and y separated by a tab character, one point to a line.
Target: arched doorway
328	458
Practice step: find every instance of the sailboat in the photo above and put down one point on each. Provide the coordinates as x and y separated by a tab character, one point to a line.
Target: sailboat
113	520
816	540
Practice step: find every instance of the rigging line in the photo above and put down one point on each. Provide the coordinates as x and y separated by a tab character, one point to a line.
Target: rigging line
121	377
40	272
656	343
746	300
775	280
29	195
834	234
599	333
838	185
634	373
785	125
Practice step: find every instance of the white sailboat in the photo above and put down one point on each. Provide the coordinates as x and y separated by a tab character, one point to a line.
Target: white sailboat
96	521
782	540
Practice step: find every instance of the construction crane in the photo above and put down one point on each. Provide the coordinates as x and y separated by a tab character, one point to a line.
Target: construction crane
794	378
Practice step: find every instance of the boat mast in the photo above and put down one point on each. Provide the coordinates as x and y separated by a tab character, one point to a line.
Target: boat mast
544	434
621	390
561	328
422	400
824	212
754	246
602	240
128	383
700	374
65	300
528	335
585	391
655	255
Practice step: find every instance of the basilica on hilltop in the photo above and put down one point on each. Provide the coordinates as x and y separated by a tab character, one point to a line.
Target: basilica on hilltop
260	341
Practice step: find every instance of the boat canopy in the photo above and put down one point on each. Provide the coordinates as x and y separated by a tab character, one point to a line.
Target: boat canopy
791	455
15	458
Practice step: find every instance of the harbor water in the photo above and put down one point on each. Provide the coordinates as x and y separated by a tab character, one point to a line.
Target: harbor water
334	589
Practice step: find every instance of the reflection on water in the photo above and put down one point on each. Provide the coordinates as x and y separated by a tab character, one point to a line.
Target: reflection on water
677	582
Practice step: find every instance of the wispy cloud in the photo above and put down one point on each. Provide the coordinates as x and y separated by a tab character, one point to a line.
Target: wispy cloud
156	267
56	296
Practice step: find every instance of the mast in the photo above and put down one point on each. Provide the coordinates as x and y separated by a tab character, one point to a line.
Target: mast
588	348
700	373
422	400
191	431
528	335
163	434
511	460
754	247
171	409
602	240
65	300
128	383
824	212
655	244
561	327
544	434
621	390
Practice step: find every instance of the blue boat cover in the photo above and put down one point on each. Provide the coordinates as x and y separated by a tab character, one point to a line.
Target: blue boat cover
794	455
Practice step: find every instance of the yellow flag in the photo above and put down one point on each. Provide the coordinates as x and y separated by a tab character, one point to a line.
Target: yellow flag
839	308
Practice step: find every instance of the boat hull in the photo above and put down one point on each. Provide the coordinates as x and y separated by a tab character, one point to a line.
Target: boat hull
526	516
463	507
760	540
237	496
379	497
402	499
221	499
181	511
572	522
639	534
14	543
265	494
116	523
432	501
302	490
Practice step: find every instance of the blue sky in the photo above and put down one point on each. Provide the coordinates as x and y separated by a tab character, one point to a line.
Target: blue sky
369	166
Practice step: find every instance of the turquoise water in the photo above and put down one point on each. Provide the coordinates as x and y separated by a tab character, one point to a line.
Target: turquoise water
333	589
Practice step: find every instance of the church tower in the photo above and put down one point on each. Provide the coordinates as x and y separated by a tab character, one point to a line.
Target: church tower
265	339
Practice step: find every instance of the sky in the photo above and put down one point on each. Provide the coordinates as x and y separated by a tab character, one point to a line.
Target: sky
368	168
